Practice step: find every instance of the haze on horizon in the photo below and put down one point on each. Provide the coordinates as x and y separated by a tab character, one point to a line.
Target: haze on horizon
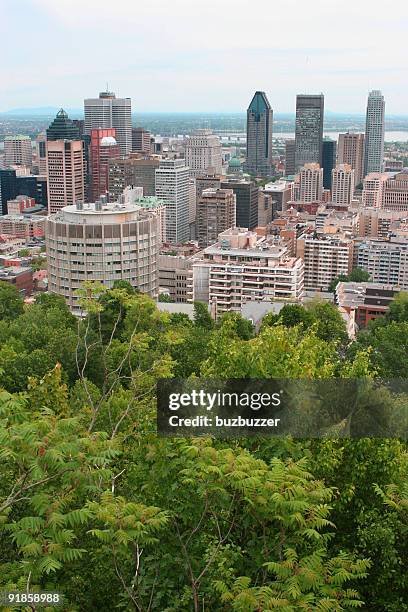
203	57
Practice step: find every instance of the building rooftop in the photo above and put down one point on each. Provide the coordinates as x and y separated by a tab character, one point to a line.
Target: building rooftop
13	271
28	218
108	141
17	137
149	202
350	295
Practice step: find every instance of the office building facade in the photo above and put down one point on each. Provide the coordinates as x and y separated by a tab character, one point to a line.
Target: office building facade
103	147
136	171
203	153
141	141
65	173
309	130
246	194
328	161
216	212
173	187
18	151
374	133
259	136
108	111
290	152
350	151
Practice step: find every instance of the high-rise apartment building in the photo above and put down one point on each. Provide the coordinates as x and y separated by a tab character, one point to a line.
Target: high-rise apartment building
136	171
374	134
373	188
342	184
103	147
102	242
310	183
203	153
309	130
290	151
325	258
241	267
386	261
259	136
176	276
65	173
246	193
18	151
216	212
108	111
376	222
350	150
328	161
172	186
141	141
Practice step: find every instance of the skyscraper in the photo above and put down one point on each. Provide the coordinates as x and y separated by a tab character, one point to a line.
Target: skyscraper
374	134
103	147
108	111
328	161
246	193
41	146
259	136
216	212
141	140
342	184
172	186
8	188
350	151
62	128
309	129
290	150
65	172
18	151
203	153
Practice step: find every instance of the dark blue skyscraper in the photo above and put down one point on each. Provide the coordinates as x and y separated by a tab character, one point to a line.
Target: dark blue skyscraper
63	128
328	161
259	136
8	188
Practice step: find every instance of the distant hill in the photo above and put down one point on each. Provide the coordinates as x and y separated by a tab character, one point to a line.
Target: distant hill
41	111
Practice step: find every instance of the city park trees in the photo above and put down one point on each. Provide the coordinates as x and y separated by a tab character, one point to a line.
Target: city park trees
94	504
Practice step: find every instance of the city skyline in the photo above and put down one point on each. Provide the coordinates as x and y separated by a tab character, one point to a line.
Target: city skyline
168	56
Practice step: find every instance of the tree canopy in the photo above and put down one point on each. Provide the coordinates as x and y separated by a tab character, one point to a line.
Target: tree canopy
95	505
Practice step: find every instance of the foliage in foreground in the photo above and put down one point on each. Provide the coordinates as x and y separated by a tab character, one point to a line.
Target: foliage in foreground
94	504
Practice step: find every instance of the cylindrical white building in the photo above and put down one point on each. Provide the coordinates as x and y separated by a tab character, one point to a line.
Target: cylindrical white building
102	242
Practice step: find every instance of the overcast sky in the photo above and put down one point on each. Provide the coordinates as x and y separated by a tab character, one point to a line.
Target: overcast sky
197	55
